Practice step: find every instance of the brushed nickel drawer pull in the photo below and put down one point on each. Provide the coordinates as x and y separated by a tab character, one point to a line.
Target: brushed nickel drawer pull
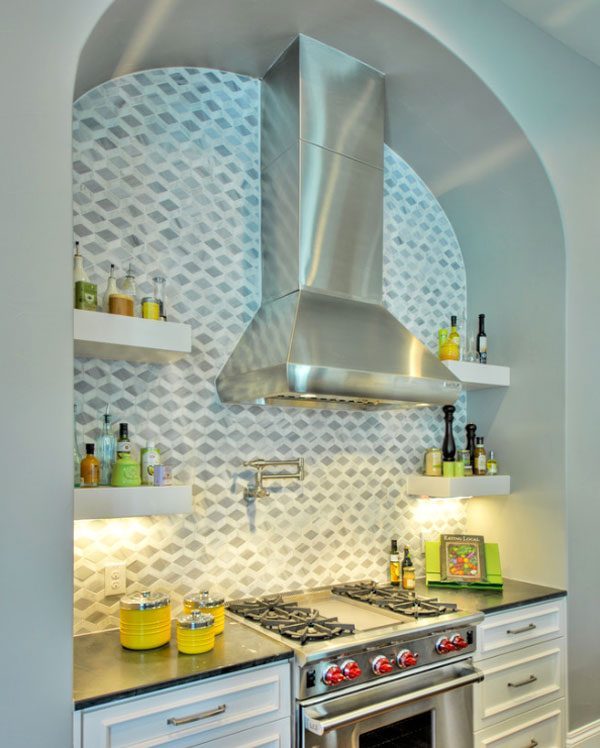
197	717
529	627
532	744
531	679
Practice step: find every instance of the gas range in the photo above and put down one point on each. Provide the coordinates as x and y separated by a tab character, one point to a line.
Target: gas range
353	635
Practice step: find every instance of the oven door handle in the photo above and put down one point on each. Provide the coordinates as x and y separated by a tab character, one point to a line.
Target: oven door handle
320	725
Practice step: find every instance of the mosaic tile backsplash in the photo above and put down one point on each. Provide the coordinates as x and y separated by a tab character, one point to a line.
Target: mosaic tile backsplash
166	175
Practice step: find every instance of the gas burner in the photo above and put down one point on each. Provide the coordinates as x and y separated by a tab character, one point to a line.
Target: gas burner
394	599
315	628
290	620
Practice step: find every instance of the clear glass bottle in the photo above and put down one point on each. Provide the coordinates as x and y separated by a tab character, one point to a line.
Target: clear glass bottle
79	273
128	288
492	465
480	464
111	288
76	452
159	292
106	449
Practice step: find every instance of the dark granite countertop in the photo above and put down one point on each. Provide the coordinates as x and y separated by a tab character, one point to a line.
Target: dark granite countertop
105	672
515	594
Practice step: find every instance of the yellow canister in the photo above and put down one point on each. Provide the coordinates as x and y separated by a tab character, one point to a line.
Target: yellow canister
207	603
145	620
150	307
195	633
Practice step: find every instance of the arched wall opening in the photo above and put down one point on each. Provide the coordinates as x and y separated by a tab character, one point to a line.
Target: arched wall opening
447	124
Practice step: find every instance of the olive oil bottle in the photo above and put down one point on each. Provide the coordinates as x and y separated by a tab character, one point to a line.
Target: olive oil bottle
408	571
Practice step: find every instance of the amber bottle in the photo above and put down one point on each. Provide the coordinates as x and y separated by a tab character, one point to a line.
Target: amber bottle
90	468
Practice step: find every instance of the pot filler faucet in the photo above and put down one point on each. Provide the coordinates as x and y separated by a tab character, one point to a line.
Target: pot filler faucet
258	491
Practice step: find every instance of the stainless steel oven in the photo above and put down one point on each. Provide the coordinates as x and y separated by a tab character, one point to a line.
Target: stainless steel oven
429	709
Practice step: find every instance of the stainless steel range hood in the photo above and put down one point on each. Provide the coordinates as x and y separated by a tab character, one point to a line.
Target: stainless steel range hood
322	337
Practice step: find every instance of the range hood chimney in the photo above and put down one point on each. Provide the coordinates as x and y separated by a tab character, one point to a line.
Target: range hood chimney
322	337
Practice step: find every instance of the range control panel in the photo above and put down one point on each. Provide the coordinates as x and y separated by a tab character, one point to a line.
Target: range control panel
384	660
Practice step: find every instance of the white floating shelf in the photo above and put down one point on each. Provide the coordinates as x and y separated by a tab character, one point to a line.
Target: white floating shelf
106	502
441	488
120	338
479	376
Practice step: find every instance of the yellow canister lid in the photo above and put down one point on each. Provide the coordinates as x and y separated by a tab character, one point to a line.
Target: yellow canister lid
204	600
145	600
195	620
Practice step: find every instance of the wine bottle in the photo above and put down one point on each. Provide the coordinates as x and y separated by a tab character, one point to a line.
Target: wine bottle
482	341
394	564
408	571
448	445
471	428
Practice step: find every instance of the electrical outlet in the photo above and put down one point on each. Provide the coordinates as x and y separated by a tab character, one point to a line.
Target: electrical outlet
115	579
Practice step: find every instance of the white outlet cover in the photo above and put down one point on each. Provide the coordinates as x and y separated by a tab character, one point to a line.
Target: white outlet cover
115	579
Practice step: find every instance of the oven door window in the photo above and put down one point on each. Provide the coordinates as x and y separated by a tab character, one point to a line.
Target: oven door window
413	732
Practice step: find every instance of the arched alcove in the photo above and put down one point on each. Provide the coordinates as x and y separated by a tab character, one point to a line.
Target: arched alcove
445	122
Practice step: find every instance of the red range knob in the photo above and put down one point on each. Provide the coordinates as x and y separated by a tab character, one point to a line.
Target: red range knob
459	642
333	675
381	665
406	658
444	646
351	669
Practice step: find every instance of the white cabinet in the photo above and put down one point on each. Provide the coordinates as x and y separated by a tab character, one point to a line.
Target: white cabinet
522	654
250	708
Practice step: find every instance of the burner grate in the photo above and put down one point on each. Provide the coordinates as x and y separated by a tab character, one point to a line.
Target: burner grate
290	620
394	599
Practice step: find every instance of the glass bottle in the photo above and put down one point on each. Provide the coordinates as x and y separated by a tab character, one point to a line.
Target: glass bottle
448	445
123	443
76	452
90	468
480	464
106	449
454	337
128	288
408	571
79	273
394	564
492	465
159	291
482	341
471	428
111	288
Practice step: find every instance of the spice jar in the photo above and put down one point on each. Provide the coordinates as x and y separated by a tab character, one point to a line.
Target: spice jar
145	620
195	632
205	603
433	461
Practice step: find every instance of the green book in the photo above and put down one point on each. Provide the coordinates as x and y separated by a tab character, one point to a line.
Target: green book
433	571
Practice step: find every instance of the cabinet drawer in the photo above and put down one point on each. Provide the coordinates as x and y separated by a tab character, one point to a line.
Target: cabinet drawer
505	632
519	681
192	715
274	735
538	728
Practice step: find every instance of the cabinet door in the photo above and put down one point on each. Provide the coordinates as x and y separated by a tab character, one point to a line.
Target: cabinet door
538	728
521	627
274	735
517	682
192	715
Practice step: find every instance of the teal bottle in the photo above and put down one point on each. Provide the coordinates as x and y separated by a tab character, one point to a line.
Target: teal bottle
106	450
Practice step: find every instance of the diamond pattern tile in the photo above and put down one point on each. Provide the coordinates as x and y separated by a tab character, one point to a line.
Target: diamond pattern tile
166	175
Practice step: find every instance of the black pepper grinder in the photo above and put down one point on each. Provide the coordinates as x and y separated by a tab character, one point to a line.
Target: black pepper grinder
448	446
471	428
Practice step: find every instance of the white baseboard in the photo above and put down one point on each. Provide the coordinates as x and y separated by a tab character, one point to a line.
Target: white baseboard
587	736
